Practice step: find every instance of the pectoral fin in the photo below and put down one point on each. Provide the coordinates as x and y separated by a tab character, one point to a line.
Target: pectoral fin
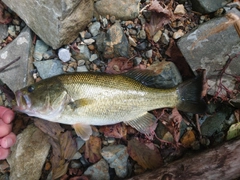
145	124
80	103
83	130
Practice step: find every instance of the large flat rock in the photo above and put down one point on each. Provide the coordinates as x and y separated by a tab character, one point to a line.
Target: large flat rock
55	22
17	75
209	47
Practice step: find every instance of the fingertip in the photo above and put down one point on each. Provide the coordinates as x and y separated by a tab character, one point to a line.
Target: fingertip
8	140
4	153
6	114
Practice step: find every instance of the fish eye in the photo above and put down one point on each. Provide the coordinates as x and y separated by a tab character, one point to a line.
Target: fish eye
30	89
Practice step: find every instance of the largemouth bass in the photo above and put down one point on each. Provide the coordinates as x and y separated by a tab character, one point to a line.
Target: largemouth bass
84	99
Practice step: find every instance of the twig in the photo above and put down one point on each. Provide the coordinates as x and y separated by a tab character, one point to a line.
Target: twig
9	64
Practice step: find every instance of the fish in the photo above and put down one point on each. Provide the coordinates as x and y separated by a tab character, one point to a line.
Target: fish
82	99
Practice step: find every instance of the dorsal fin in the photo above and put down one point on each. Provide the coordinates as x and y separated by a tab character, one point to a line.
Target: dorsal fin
145	76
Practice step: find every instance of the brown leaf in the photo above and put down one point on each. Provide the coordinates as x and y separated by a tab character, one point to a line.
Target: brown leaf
188	138
117	130
146	154
68	145
52	129
93	149
119	65
172	123
155	6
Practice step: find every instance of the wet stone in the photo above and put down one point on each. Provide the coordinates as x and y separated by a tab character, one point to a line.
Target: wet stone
94	28
116	156
206	6
49	68
82	69
208	47
84	52
40	49
29	154
98	171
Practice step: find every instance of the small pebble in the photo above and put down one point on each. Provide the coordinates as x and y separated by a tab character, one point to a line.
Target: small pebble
105	22
142	34
91	47
94	28
81	62
157	36
47	166
180	10
75	164
149	53
93	57
132	41
12	30
77	155
178	34
64	54
88	41
112	19
82	69
165	38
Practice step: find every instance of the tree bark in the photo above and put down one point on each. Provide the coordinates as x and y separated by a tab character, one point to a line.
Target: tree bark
222	162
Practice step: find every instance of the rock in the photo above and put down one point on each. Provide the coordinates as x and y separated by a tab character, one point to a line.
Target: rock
149	53
93	57
17	75
88	41
123	10
49	68
98	171
157	36
55	23
64	54
178	34
132	41
84	52
105	22
113	43
94	28
82	69
3	32
29	154
142	34
49	54
207	48
179	10
205	6
40	49
112	19
12	30
168	75
165	38
116	156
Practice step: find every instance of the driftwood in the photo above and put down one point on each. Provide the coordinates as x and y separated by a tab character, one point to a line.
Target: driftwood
221	162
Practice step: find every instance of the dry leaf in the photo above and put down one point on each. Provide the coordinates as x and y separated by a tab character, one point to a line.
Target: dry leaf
117	130
119	65
188	138
93	149
145	153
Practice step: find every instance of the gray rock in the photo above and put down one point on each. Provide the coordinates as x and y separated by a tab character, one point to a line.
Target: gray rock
82	69
64	54
113	43
93	57
49	54
49	68
105	22
123	10
98	171
165	38
3	32
116	156
94	28
84	52
12	30
206	6
17	75
40	48
56	23
4	177
142	34
207	47
168	75
29	154
149	53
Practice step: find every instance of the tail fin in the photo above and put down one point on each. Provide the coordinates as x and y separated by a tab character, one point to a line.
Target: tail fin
190	93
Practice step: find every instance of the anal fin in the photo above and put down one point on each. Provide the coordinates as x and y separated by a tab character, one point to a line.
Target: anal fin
145	123
83	130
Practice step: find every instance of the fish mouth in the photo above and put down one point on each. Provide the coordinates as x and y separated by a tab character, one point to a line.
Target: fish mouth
23	101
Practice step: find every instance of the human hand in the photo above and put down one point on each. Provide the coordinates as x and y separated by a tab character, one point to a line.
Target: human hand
7	138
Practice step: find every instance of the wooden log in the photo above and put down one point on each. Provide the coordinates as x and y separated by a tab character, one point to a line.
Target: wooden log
222	162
